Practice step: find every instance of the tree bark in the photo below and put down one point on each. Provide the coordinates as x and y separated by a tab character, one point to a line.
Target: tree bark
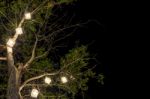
12	90
13	81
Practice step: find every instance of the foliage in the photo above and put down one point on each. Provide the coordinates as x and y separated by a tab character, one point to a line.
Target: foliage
74	65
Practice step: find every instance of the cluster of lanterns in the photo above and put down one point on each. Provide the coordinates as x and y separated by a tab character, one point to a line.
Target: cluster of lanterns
47	80
11	42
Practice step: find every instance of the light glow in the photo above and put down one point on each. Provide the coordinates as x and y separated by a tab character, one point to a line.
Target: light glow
19	30
64	79
47	80
9	50
28	16
72	77
34	93
11	42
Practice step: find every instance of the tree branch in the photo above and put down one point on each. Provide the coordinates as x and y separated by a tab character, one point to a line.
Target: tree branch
34	78
33	53
2	47
44	54
7	17
3	58
65	66
21	22
65	36
57	31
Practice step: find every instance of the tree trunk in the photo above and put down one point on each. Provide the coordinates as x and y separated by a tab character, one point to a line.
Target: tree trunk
12	90
13	85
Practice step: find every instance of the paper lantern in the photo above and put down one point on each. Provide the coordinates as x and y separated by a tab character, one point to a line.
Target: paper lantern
28	16
47	80
19	30
34	93
10	42
64	79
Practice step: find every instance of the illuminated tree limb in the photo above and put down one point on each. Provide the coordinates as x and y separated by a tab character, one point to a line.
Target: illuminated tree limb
34	78
33	53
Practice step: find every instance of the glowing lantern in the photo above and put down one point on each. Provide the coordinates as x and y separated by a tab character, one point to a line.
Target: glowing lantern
28	16
11	42
64	79
47	80
34	93
19	30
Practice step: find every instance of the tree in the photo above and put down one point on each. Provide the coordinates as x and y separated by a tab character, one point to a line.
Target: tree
33	36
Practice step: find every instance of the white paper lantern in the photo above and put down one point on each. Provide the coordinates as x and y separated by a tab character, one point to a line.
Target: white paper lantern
28	16
64	79
47	80
19	30
34	93
10	42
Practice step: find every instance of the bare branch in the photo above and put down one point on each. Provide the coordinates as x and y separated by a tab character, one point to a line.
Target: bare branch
65	36
38	8
34	78
5	27
57	31
21	22
33	53
43	55
2	47
7	17
65	66
3	58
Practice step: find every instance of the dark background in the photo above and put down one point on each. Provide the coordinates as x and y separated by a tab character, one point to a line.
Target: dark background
105	36
102	32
